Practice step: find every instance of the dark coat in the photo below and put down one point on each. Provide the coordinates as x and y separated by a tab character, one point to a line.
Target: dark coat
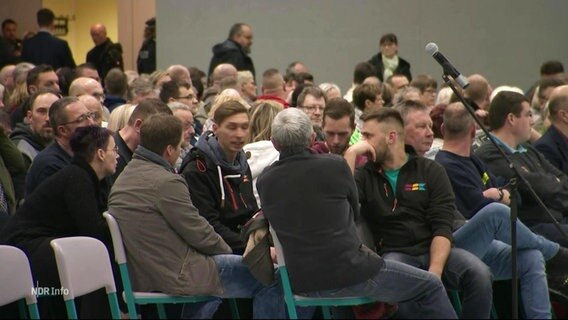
408	218
403	67
550	184
311	202
554	146
231	52
106	56
201	168
44	48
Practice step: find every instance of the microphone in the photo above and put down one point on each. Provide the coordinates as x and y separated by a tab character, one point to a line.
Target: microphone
449	69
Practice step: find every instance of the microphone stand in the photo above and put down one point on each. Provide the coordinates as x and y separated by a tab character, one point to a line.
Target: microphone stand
513	191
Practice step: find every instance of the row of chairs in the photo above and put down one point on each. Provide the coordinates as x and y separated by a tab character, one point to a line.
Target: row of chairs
73	266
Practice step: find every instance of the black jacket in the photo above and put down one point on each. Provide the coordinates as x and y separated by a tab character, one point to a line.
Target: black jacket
422	207
311	202
106	56
226	201
231	52
554	146
550	184
44	48
403	67
146	62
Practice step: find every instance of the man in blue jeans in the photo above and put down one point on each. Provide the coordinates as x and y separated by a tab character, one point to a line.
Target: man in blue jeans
314	218
487	234
170	247
409	205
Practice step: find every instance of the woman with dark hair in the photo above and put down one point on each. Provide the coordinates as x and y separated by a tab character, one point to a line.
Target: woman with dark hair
69	203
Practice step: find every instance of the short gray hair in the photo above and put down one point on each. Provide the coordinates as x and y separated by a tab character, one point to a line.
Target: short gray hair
292	130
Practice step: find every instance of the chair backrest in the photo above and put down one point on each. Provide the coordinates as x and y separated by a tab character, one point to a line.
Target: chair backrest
15	276
84	266
278	248
117	244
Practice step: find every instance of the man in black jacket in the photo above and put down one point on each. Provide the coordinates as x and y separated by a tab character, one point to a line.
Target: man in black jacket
106	54
235	50
314	218
510	118
44	47
410	206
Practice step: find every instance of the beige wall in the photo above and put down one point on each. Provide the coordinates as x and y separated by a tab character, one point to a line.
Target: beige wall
132	15
23	12
82	14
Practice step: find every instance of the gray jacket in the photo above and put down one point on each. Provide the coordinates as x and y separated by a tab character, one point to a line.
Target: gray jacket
168	243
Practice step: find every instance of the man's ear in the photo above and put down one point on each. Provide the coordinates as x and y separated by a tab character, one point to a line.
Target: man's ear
138	124
101	154
511	118
29	114
215	127
32	88
275	144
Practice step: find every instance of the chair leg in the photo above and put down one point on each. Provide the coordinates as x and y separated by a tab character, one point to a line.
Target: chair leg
234	309
291	309
326	313
71	311
34	312
456	301
22	309
161	311
113	302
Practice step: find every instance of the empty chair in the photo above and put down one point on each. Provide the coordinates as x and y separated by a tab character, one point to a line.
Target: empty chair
293	300
16	281
84	266
141	298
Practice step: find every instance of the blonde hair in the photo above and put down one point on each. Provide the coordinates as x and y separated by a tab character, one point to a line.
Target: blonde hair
224	96
262	114
119	117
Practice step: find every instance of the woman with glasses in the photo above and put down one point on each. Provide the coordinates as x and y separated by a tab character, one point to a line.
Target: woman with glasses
68	203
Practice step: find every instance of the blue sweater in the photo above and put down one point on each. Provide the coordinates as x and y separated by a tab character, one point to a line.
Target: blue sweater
469	177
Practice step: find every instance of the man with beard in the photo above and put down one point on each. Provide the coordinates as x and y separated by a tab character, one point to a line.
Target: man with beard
235	50
338	126
34	137
410	207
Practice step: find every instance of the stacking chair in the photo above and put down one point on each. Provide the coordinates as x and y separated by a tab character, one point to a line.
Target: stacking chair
16	281
294	300
133	298
84	266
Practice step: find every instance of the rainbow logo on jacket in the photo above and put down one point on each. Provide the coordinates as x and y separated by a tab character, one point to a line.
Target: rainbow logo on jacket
415	187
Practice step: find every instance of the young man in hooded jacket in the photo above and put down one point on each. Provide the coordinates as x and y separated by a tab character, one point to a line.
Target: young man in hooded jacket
218	175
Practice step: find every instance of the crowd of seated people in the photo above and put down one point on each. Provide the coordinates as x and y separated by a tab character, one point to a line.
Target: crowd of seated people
184	159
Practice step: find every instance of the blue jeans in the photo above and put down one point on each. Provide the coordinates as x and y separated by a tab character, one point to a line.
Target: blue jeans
238	282
549	231
463	271
487	235
397	282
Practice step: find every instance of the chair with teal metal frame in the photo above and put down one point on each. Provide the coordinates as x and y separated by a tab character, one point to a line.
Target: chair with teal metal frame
294	300
83	264
16	281
133	298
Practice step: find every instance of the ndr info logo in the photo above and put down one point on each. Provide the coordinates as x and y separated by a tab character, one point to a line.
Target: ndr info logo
49	291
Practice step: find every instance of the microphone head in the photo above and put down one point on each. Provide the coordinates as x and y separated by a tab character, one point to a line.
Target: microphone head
431	48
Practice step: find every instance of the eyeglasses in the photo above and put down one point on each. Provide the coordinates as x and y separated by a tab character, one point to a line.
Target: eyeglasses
115	149
187	125
100	96
82	118
313	108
